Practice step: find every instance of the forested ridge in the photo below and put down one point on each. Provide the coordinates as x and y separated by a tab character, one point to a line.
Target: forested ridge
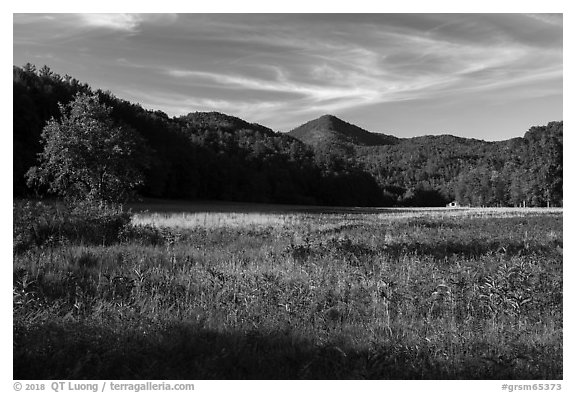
520	171
432	170
197	156
216	156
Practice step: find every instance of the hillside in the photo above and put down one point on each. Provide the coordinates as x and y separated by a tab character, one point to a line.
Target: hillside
326	161
216	121
433	169
209	156
329	129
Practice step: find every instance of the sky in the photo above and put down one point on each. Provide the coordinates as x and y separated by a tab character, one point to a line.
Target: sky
485	76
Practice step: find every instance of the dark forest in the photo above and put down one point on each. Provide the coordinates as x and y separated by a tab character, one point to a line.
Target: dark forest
213	156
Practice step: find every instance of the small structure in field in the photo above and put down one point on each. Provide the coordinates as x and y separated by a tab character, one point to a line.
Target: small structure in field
453	204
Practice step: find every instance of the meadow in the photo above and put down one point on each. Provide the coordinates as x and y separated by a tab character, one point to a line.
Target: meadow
271	292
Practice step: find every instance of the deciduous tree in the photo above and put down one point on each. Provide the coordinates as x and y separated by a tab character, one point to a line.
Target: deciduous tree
87	156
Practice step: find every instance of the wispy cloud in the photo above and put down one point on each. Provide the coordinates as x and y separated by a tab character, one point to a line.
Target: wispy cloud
551	19
181	104
321	69
283	85
270	68
123	22
356	75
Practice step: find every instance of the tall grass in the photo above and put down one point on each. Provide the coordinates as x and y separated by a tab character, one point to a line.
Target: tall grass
431	296
214	220
37	223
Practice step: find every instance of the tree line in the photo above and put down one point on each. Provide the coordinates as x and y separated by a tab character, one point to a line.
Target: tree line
432	170
215	156
197	156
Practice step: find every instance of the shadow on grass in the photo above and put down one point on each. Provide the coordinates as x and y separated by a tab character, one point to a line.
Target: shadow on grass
185	351
180	206
473	249
439	251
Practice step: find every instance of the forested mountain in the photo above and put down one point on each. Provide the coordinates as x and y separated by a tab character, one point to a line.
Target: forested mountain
330	130
325	161
198	156
431	170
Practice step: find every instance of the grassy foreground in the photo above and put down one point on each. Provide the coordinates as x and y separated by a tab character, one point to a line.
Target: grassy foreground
420	295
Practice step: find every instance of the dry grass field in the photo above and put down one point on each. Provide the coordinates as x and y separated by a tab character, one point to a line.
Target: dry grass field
287	293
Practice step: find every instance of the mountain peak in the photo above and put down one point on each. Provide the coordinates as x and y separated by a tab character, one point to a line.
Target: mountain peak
329	129
222	122
331	119
328	117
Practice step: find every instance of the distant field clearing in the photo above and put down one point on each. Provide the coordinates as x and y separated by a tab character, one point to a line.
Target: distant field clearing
247	215
214	220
